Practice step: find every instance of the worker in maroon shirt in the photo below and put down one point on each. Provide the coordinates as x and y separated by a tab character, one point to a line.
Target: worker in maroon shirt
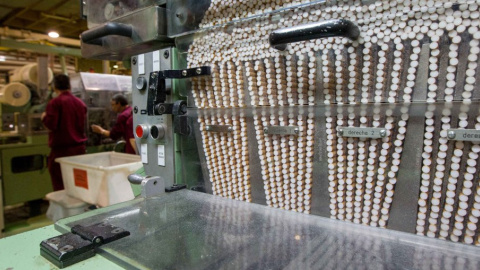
65	118
123	126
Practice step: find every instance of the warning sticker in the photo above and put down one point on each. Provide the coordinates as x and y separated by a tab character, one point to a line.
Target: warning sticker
80	178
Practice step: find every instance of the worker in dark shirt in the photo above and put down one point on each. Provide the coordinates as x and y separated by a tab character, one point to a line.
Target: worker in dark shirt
65	118
123	126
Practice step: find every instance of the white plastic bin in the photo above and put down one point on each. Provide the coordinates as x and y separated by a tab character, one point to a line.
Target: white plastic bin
62	205
100	178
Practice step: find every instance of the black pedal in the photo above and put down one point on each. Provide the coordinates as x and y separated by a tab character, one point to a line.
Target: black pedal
66	249
80	244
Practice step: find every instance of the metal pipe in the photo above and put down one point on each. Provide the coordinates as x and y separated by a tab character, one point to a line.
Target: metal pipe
63	64
17	34
60	18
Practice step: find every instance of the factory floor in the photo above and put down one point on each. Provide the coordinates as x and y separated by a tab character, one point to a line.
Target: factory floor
25	217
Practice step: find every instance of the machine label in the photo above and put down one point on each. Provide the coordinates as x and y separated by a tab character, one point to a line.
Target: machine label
141	64
362	132
470	135
80	178
144	153
281	130
219	128
156	61
161	155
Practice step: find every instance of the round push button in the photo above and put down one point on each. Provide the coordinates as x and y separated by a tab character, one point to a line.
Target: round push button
141	131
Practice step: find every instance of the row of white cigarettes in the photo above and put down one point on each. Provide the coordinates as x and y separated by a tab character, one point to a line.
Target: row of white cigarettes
381	66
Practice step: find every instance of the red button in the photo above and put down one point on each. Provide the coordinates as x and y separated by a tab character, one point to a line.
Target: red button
139	131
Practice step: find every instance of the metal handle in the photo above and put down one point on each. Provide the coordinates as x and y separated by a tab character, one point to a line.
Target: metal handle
135	179
331	28
95	36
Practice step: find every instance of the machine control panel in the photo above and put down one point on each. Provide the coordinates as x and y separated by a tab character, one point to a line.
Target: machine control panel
161	113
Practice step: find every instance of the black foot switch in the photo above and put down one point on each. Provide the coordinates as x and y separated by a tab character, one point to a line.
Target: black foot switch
80	244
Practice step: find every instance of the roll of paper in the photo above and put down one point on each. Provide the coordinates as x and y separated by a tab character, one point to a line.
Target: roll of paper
15	94
28	73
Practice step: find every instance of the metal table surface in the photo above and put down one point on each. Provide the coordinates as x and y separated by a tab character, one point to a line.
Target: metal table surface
192	230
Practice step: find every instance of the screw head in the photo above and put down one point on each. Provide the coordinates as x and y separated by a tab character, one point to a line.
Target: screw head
134	60
54	241
229	128
451	134
161	109
66	248
208	128
296	130
265	130
198	71
383	133
166	54
135	109
184	73
340	131
117	230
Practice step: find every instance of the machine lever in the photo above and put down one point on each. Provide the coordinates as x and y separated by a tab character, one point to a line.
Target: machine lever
157	90
135	179
151	185
163	108
177	108
331	28
95	36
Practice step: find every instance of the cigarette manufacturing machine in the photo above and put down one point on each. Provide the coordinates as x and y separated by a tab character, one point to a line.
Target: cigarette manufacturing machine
308	135
24	177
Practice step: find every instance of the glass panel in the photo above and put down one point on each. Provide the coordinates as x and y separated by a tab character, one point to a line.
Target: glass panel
193	230
101	11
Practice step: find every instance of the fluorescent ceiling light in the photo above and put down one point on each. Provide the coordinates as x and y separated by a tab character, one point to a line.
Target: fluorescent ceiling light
53	34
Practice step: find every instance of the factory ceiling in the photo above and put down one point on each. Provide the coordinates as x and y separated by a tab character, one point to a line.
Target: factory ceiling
29	21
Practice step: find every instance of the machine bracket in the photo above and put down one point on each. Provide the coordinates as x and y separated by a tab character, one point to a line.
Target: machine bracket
157	90
151	185
187	73
79	244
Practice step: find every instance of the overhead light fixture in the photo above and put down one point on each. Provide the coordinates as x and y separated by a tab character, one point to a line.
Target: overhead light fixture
53	34
115	66
2	58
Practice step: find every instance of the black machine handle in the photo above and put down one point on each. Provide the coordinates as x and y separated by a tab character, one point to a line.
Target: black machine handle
94	36
331	28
